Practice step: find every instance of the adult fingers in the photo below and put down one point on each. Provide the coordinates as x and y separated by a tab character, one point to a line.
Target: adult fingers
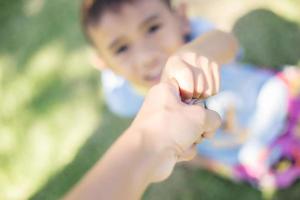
188	154
212	121
206	121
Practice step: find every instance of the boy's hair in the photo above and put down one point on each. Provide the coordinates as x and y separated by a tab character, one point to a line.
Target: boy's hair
92	10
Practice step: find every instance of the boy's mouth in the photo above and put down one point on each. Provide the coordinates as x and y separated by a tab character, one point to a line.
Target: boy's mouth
153	77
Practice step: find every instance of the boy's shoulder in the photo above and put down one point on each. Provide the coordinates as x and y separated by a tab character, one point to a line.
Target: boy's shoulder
119	95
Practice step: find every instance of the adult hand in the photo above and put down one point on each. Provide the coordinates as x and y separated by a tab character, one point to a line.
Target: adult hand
164	132
171	129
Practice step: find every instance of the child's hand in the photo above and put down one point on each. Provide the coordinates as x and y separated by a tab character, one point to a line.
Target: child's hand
197	76
196	66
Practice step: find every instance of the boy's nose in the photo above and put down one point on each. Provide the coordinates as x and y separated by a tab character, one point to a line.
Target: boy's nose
146	58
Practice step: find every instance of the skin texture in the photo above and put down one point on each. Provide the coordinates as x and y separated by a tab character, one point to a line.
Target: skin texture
164	132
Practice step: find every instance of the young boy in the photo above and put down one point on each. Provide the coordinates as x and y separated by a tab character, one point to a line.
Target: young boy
134	39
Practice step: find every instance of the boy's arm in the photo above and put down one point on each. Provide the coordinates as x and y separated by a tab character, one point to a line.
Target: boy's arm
218	46
164	132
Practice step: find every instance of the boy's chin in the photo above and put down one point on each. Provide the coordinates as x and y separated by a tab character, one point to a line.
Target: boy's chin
143	88
150	84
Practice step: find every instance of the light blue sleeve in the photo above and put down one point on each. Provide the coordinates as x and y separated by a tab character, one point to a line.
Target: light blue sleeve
119	95
200	26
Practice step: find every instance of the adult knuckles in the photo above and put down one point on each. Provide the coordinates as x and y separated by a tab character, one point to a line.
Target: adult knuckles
196	114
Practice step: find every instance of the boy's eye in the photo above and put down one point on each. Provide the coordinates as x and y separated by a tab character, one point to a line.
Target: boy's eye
154	28
122	49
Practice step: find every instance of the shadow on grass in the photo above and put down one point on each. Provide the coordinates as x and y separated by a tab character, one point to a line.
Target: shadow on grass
192	184
87	156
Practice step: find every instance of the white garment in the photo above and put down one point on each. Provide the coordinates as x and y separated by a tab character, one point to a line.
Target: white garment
260	100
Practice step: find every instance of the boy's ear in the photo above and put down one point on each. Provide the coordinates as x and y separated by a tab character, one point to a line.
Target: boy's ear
182	14
97	62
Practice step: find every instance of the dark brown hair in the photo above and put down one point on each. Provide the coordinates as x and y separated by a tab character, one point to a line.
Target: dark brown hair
92	10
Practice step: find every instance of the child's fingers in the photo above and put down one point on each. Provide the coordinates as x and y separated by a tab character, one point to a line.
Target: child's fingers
177	69
205	65
199	82
216	77
185	79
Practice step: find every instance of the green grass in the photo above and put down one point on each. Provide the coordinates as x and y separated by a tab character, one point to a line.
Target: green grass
267	44
53	124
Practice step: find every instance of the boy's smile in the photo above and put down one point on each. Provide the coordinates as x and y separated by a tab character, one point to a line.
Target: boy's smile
135	40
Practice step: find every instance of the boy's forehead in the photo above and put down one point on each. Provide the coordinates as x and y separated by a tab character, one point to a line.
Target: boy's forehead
129	17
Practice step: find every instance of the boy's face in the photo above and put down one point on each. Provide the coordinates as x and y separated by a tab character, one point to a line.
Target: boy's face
136	41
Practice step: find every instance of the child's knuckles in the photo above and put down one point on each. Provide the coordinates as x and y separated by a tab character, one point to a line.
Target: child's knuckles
207	93
183	71
172	62
199	85
202	61
189	57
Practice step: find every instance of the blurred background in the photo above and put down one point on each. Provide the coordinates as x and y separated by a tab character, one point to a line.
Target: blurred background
53	123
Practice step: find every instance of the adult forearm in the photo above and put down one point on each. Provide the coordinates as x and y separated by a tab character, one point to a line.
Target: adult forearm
123	173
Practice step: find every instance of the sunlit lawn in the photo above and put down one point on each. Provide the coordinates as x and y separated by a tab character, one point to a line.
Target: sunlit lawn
53	124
